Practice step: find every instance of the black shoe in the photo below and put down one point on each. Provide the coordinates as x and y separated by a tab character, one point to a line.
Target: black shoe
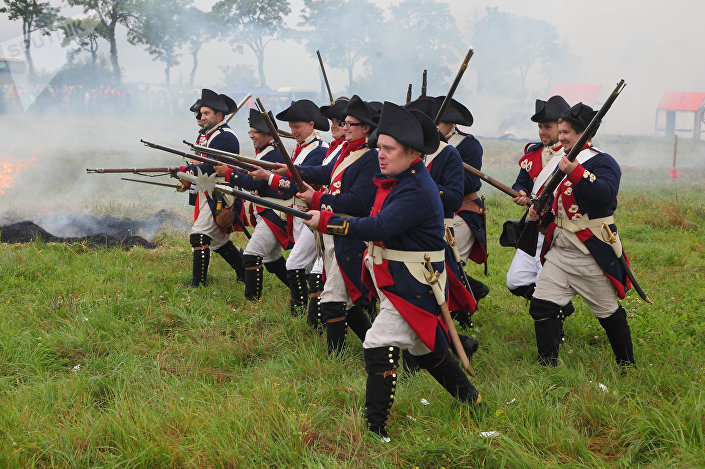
464	318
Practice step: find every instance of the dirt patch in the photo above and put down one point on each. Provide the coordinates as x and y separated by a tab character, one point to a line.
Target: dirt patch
27	231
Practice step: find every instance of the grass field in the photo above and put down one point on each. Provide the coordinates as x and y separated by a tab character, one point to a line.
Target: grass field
108	360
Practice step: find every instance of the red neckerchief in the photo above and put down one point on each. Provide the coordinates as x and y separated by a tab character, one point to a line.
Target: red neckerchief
385	187
335	144
260	150
348	147
299	148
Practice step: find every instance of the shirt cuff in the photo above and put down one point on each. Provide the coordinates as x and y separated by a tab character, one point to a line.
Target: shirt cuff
274	181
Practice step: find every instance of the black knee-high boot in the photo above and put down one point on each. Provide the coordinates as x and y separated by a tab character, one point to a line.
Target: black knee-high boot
479	289
409	362
333	315
446	370
524	291
620	336
358	321
315	288
298	289
201	259
278	268
470	345
548	327
381	366
233	256
253	276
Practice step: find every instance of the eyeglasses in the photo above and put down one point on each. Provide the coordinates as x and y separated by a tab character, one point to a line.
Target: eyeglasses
350	124
253	132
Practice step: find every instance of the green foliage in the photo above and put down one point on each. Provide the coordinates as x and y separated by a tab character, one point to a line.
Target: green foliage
107	359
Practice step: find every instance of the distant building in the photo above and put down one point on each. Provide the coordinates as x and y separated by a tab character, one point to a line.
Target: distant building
680	113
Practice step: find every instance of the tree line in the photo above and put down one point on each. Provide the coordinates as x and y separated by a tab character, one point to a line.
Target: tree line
355	36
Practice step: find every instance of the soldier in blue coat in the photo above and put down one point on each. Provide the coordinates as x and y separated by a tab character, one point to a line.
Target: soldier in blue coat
205	234
350	191
467	223
581	247
400	235
270	235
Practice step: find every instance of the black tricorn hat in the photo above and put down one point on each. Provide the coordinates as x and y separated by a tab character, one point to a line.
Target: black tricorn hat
196	107
426	105
335	111
304	110
257	121
410	128
579	117
378	105
455	113
362	111
217	102
551	110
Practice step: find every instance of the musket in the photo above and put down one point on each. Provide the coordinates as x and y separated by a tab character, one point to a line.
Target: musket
199	158
244	195
432	277
484	226
491	181
529	235
325	77
232	158
453	87
173	186
282	149
424	84
239	106
140	171
408	94
285	134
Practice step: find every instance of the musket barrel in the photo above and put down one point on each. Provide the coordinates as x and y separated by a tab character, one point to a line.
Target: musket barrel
491	181
325	77
233	158
126	170
454	86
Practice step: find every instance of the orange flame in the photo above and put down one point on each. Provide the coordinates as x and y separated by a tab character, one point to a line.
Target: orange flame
9	170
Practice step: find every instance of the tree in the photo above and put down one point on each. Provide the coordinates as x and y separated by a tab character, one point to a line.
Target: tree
198	28
509	48
111	13
418	41
160	31
84	33
36	17
254	23
344	42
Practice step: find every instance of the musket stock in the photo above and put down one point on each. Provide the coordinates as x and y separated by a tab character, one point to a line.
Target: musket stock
491	181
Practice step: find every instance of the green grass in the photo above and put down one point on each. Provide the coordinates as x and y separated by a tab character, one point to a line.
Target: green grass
108	360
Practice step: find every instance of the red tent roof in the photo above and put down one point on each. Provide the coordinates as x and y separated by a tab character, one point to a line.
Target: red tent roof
574	93
681	101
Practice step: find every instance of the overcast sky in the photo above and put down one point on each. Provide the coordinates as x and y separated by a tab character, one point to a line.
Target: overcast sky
654	46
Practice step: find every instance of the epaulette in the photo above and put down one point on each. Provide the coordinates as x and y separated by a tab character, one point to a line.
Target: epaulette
532	146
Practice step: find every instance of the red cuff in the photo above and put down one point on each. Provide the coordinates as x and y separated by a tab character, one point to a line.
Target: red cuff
323	221
275	182
577	175
289	175
228	172
316	201
182	168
